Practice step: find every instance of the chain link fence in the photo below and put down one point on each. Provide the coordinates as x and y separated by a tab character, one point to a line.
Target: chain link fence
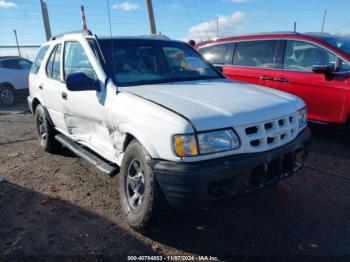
15	64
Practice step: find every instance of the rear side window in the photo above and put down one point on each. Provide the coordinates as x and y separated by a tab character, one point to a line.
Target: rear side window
218	54
10	64
38	60
53	64
76	60
261	54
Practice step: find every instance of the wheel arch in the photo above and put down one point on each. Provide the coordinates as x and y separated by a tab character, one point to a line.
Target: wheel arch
7	84
133	134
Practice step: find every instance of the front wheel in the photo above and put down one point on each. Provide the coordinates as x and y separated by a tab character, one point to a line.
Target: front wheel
139	194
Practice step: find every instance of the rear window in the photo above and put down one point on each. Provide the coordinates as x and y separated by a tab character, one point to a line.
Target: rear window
261	54
38	60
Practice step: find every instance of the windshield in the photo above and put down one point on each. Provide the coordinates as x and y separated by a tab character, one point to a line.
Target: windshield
140	62
343	43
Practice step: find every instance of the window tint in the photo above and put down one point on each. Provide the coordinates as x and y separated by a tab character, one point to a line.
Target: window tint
38	60
301	56
343	66
56	66
257	54
76	60
53	64
25	64
50	62
11	64
218	54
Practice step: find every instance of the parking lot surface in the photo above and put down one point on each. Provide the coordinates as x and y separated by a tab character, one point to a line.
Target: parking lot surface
59	205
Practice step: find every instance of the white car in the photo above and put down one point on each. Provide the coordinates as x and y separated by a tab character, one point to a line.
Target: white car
14	72
178	130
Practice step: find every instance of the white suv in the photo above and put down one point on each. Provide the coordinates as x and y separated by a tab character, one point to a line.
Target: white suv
178	130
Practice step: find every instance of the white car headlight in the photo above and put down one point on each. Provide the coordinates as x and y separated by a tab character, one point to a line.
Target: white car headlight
302	117
217	141
205	142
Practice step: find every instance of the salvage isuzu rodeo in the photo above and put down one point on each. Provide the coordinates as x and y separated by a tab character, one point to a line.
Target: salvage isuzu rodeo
154	111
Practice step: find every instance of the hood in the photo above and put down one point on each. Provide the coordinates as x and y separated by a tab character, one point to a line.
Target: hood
212	104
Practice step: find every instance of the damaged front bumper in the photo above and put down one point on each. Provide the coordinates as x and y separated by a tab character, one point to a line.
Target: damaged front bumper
199	183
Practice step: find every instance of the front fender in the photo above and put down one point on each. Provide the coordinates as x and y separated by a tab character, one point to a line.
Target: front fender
129	129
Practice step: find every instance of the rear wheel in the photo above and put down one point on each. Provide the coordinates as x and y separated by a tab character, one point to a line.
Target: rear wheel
139	194
7	95
46	131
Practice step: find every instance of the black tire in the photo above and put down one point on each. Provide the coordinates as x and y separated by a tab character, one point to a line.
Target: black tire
46	131
7	95
142	212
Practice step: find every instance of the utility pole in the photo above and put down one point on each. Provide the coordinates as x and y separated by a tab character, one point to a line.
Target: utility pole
217	26
83	18
295	27
152	23
324	20
46	20
19	52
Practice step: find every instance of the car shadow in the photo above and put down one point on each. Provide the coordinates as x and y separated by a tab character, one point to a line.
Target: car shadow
280	220
330	140
35	224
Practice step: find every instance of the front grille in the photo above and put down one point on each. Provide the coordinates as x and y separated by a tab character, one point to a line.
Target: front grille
271	134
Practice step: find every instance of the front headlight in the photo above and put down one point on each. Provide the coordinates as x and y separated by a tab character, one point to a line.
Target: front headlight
217	141
302	117
185	145
206	143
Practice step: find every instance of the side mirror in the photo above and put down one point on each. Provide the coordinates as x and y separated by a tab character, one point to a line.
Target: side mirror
81	82
326	69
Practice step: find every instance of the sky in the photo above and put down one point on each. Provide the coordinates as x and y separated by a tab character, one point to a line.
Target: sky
178	19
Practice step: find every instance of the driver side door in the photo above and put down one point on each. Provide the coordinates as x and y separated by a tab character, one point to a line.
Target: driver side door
324	99
84	111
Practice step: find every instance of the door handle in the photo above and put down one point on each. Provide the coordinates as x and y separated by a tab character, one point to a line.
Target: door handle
41	86
282	80
64	95
266	78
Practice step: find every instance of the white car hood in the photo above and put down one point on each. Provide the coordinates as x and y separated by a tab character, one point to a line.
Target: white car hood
212	104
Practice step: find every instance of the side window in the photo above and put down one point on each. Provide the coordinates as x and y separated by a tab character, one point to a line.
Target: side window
218	54
53	63
301	56
257	54
56	66
76	60
342	66
38	60
50	62
25	65
11	64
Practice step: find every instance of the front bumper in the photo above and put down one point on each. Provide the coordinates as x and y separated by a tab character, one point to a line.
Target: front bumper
199	183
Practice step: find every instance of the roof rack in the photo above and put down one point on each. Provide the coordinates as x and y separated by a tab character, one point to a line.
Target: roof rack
87	32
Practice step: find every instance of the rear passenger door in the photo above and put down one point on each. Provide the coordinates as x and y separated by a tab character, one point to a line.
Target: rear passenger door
255	62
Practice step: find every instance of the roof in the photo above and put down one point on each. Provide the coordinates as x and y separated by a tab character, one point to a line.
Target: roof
89	33
315	35
10	57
